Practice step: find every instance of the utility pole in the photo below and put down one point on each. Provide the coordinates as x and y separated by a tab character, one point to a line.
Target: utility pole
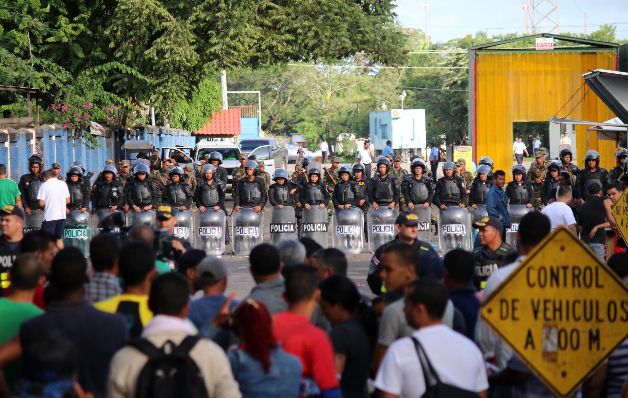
223	84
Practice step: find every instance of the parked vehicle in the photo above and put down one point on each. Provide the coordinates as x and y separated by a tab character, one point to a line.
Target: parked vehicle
277	153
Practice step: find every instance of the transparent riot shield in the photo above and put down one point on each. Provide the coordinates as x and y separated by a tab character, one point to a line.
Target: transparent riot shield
454	229
425	222
316	225
33	221
381	226
349	231
107	220
147	217
516	214
247	230
211	231
283	224
476	214
78	231
184	227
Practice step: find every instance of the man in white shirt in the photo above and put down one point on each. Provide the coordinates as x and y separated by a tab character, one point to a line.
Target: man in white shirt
365	156
53	198
559	213
456	360
324	150
519	148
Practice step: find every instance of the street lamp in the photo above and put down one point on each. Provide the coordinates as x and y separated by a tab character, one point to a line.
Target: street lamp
402	97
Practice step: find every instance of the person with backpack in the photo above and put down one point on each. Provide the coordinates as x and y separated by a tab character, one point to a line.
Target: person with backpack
159	365
408	369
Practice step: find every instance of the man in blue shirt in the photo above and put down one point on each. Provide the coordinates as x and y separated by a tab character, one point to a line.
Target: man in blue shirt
388	151
433	158
496	200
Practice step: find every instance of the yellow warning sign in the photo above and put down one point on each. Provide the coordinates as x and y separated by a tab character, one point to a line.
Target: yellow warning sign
561	310
620	212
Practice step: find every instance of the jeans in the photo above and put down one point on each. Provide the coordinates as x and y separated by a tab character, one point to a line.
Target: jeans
519	157
599	249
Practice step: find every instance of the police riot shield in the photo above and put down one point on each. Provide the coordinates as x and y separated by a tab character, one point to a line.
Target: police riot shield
107	220
316	224
184	227
381	226
33	221
211	231
247	230
283	224
476	214
349	233
454	229
78	231
516	214
147	217
425	222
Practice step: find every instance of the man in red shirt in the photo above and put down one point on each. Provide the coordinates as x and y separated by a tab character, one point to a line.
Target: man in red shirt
301	338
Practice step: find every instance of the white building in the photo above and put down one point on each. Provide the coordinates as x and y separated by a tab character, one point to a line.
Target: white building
405	128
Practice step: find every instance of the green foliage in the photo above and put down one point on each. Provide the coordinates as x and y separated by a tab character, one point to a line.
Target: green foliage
193	114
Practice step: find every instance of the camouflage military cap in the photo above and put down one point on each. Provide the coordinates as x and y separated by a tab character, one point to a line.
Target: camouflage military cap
335	159
461	161
260	163
542	151
397	158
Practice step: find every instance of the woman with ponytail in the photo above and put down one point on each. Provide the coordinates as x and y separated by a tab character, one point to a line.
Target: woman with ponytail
260	366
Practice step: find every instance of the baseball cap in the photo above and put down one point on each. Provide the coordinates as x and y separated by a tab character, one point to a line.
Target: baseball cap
541	152
397	158
408	219
124	163
164	212
211	270
491	221
261	163
335	159
56	166
190	259
461	161
12	210
242	156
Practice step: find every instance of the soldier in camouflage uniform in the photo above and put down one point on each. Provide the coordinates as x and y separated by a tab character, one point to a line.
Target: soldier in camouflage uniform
465	175
536	176
124	172
330	179
400	174
238	173
262	173
190	177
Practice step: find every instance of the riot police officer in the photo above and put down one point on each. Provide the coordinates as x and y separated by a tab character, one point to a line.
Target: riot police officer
566	166
591	173
107	192
314	192
346	194
552	181
283	192
383	188
139	191
251	190
450	190
489	162
519	191
178	194
480	187
79	195
29	185
417	188
210	194
215	159
492	252
362	183
616	172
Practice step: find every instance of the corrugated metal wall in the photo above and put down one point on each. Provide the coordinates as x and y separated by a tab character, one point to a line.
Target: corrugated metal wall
533	86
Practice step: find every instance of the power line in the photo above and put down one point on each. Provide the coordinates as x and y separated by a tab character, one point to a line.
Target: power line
378	67
434	89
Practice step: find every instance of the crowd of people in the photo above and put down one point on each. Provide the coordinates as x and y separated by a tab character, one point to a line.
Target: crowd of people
124	322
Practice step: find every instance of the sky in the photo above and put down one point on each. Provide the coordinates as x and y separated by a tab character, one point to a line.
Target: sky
448	19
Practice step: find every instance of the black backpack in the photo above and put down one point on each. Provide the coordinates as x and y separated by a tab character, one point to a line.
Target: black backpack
434	388
169	374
